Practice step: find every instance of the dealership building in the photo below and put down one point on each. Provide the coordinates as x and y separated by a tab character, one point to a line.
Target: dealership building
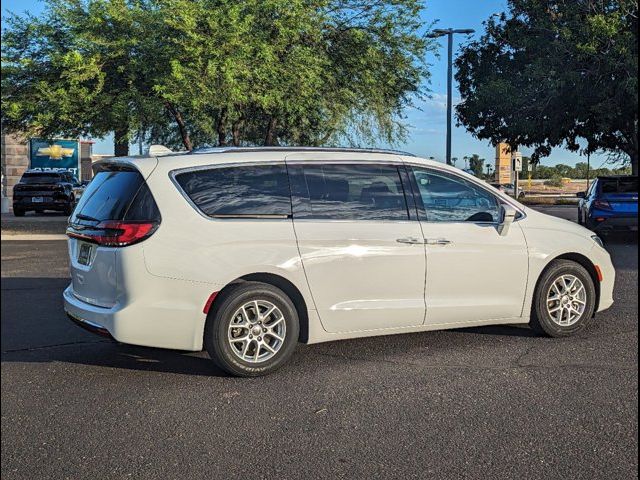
17	155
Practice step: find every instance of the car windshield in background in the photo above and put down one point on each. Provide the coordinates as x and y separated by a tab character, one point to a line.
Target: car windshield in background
620	185
40	178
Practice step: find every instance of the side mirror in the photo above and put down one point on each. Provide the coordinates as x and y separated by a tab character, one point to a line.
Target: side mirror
508	214
581	194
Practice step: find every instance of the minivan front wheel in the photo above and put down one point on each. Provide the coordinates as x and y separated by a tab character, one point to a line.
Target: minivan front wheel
252	329
564	300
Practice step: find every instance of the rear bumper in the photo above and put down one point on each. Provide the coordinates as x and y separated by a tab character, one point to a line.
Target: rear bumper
600	222
49	203
90	326
164	321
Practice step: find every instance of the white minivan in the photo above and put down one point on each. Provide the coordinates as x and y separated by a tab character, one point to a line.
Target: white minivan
247	251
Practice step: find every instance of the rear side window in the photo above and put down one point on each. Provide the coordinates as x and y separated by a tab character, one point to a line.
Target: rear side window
246	191
348	192
116	195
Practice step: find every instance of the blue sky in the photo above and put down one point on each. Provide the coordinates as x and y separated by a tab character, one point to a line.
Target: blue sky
428	121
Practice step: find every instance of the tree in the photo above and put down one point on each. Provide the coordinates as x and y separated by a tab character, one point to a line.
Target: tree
489	169
550	73
476	164
215	72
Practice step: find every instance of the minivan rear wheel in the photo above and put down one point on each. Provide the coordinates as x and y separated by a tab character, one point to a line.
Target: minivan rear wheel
252	329
564	300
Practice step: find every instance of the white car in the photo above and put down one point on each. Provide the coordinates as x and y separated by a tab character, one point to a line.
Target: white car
248	251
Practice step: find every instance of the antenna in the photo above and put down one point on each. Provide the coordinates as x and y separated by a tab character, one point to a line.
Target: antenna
159	150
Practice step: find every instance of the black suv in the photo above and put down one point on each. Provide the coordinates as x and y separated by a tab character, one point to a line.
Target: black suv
42	191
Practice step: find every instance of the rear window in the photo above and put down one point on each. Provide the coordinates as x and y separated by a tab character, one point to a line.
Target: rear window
116	195
41	178
619	185
247	191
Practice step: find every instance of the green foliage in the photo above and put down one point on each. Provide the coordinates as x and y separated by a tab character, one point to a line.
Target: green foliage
579	172
476	164
547	74
214	72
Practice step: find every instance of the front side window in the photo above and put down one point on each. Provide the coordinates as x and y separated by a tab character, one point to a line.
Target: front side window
244	191
449	198
348	192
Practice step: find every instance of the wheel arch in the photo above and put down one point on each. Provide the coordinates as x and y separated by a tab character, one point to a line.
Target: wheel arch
288	288
580	260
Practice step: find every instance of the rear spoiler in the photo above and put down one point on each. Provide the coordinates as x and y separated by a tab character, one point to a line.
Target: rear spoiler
144	165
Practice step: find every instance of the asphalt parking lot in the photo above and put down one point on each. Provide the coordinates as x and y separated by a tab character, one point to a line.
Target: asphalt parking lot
495	402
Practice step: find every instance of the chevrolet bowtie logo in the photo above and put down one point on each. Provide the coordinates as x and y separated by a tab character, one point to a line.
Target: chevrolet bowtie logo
55	152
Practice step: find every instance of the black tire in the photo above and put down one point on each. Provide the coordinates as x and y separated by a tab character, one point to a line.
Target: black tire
18	212
217	327
541	320
580	220
68	209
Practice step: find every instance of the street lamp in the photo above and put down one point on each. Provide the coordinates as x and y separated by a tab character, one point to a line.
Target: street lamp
439	32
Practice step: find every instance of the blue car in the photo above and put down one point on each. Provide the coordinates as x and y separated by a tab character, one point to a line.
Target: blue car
610	204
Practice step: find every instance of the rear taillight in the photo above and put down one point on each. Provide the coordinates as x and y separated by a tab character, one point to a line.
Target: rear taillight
111	233
602	204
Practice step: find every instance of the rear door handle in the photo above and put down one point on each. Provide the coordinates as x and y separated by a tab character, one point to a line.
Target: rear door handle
410	240
438	241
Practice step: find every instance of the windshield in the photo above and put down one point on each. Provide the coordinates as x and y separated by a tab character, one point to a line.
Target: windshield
620	185
40	178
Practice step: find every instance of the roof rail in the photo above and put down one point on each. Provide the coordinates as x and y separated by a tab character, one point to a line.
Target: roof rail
298	149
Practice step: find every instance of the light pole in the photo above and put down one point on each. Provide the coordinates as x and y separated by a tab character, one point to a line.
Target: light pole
439	32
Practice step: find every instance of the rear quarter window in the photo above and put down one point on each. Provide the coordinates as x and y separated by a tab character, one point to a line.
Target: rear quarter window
243	191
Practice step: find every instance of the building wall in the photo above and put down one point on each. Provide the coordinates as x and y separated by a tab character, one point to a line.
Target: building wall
14	161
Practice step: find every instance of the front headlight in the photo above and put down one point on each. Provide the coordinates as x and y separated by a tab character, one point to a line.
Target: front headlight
598	240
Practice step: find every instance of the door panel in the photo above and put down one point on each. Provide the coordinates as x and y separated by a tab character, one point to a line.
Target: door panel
480	275
362	250
473	273
360	276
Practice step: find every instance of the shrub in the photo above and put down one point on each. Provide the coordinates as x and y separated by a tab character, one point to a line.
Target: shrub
555	181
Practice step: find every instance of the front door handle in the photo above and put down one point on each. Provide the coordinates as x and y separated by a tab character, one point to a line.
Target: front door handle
410	240
438	241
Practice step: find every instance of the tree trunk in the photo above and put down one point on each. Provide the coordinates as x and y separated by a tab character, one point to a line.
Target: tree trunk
235	132
184	133
634	163
270	138
222	128
121	143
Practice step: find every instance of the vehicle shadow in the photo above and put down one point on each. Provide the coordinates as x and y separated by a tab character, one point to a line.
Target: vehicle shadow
504	330
36	329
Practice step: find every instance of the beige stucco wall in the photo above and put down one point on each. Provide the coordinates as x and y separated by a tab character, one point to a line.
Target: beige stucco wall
14	160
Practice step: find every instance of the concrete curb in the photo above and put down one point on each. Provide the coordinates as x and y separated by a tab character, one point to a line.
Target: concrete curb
32	237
